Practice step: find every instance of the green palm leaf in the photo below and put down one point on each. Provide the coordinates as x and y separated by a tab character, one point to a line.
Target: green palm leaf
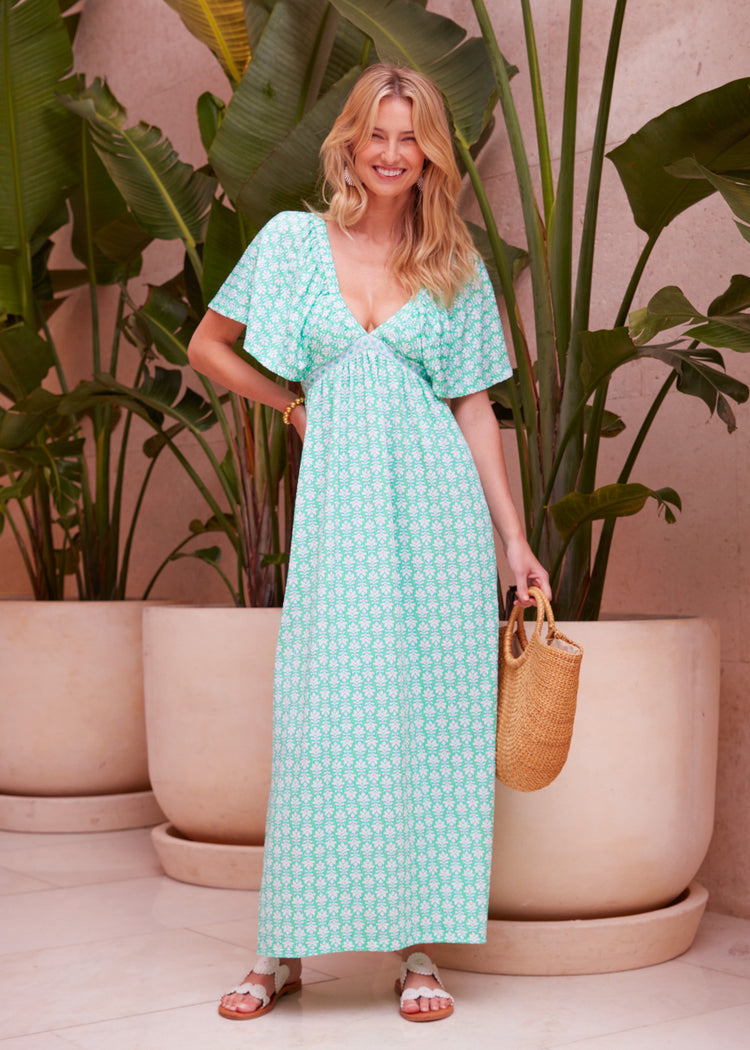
406	35
37	137
220	25
168	198
609	501
98	205
714	128
266	151
734	187
25	360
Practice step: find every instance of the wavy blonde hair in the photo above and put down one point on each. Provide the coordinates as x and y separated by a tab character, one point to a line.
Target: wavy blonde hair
436	250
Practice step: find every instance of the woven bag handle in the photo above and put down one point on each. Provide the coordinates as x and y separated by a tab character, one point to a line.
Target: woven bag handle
543	608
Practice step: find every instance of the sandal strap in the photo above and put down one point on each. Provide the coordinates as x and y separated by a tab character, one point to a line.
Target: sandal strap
425	993
421	963
256	990
267	966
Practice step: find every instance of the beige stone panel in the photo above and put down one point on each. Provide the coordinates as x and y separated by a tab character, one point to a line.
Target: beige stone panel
692	567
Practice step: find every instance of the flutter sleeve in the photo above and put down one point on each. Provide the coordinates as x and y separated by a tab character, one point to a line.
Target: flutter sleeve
470	354
265	292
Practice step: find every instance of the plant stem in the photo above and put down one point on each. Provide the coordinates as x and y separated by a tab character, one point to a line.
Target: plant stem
547	372
540	118
635	278
58	364
560	232
20	543
125	561
592	605
582	304
578	467
525	409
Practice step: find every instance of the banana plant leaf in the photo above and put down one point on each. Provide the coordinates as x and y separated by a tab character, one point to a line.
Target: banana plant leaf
57	459
666	309
220	25
211	110
713	127
167	325
123	241
699	370
406	35
158	396
734	187
168	198
351	47
518	258
725	325
265	152
25	360
225	242
37	139
602	352
735	299
609	501
697	377
98	205
18	429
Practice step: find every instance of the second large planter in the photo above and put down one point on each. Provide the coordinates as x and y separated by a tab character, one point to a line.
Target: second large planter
208	675
595	872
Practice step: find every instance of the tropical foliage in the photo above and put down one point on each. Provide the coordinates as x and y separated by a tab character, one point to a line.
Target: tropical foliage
64	458
556	401
290	64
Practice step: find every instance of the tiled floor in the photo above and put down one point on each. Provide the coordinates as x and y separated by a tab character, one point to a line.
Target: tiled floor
100	950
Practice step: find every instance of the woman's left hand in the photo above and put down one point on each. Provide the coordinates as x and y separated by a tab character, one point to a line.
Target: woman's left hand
527	571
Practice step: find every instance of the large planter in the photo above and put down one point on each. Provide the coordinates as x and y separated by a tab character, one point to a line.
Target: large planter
209	699
596	871
72	728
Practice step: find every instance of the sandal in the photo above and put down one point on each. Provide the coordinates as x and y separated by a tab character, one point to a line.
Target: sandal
420	963
263	965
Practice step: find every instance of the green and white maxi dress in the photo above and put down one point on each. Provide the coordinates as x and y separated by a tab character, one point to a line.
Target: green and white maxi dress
379	823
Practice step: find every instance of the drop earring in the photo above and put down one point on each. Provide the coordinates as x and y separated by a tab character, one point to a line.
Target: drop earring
347	177
420	183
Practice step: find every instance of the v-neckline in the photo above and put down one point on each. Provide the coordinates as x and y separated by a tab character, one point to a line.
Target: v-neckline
337	287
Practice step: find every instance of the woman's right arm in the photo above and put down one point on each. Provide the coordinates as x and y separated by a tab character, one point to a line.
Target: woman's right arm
211	353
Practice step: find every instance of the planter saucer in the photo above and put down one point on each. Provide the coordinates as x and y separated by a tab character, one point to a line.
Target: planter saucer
216	864
581	946
81	813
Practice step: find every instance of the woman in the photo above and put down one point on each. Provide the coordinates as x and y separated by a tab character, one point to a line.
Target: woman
379	823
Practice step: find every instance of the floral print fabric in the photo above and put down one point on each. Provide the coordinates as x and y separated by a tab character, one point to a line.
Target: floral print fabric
379	823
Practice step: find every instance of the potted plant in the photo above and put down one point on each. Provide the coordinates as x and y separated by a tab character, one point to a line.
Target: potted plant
64	460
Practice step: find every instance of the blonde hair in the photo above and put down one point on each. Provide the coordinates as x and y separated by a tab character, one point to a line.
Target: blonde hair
436	250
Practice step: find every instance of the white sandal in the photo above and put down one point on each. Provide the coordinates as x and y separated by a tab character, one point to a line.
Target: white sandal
282	986
419	962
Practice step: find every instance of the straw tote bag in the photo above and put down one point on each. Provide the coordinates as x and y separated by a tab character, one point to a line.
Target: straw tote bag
537	697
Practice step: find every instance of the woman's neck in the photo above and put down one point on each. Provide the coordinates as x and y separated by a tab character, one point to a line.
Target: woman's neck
383	222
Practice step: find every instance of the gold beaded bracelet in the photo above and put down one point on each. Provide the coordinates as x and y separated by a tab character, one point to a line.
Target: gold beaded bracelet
290	408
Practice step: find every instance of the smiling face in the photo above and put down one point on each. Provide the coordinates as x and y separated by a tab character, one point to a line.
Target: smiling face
390	163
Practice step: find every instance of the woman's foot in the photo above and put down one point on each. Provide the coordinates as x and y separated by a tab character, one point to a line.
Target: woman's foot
419	978
268	980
